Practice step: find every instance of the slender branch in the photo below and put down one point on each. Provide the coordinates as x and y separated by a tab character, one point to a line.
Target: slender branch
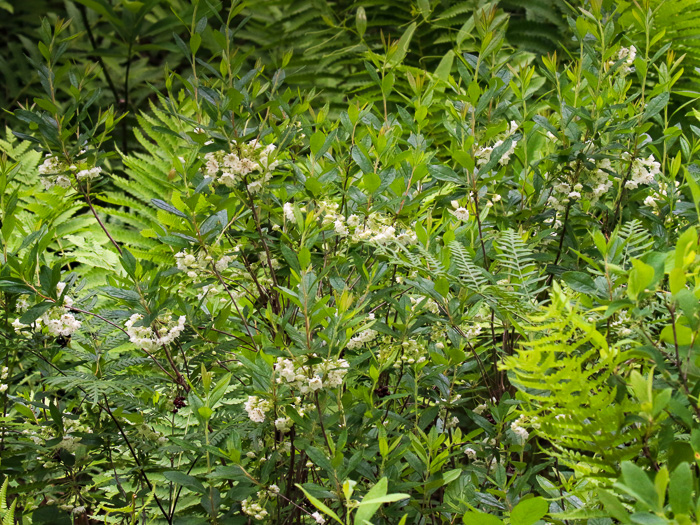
104	228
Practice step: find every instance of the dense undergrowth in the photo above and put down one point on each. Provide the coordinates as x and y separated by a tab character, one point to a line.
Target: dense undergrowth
415	272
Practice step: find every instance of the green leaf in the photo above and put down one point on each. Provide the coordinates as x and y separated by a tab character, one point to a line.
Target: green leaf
9	517
180	478
613	506
580	282
366	511
168	207
655	105
442	286
371	181
445	66
442	172
641	276
528	511
680	491
389	498
636	483
316	142
319	505
480	518
395	58
361	21
35	312
361	159
681	335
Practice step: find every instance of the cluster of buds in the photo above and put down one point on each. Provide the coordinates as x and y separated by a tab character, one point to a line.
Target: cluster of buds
196	265
329	373
483	154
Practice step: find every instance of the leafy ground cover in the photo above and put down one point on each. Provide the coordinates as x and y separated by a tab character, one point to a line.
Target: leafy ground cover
422	270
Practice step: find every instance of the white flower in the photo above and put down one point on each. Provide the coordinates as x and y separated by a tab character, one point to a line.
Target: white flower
319	519
315	383
257	408
288	210
283	424
627	55
147	338
481	409
650	201
18	326
519	430
361	338
470	453
223	263
461	213
340	227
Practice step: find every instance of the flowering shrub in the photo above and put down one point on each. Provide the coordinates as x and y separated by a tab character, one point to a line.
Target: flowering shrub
282	315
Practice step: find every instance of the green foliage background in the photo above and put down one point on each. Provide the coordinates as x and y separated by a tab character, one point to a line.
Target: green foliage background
360	262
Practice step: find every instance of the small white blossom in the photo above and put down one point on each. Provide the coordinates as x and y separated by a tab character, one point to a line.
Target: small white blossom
461	213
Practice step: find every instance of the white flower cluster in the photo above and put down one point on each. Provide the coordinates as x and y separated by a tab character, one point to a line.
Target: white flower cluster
194	265
246	163
149	339
318	518
627	55
56	171
306	378
375	228
253	509
459	211
69	443
257	408
428	304
3	376
653	200
643	171
472	332
480	409
413	353
470	453
283	424
288	210
483	154
58	320
518	429
329	213
365	336
597	180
